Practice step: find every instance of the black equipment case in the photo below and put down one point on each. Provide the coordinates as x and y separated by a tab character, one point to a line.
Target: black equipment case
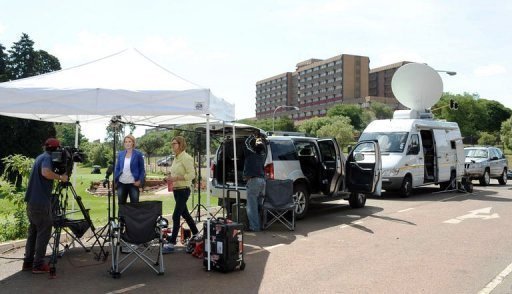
227	244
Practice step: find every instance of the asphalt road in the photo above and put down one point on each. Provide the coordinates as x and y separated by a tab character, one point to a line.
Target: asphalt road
428	243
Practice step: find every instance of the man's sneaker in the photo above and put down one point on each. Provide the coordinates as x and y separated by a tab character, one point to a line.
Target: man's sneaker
42	269
27	266
168	248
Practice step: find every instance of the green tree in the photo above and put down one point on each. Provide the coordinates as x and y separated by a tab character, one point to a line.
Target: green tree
149	143
4	74
339	128
381	110
506	133
21	136
487	139
311	126
280	124
66	134
97	153
352	111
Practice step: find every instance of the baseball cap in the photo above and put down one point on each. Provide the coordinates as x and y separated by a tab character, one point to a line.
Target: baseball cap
52	143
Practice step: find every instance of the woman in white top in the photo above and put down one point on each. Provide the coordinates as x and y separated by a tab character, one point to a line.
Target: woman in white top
129	172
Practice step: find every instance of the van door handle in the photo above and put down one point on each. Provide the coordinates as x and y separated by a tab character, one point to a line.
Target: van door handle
420	157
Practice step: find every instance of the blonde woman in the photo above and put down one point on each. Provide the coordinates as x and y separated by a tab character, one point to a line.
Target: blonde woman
182	173
129	172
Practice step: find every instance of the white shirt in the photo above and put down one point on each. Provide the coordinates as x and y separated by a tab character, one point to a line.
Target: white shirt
126	176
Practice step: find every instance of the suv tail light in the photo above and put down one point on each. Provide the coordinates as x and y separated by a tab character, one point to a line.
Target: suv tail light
212	171
269	171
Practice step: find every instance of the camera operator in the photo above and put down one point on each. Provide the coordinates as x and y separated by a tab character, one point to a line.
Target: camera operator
129	172
39	210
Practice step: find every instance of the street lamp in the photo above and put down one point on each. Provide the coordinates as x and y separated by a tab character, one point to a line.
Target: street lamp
450	73
274	115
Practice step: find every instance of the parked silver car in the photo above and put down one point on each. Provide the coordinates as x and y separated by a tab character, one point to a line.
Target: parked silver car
486	162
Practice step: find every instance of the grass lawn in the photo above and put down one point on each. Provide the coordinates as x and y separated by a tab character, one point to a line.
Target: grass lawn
98	205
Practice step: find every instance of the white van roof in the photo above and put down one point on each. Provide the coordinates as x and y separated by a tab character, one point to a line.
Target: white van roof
406	125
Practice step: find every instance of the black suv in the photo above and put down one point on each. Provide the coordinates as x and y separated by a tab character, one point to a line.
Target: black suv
316	166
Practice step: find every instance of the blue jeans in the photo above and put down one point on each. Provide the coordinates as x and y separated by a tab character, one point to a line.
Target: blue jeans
123	190
39	232
181	210
255	192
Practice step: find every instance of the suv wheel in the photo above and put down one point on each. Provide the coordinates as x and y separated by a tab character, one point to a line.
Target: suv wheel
485	180
301	199
357	200
503	179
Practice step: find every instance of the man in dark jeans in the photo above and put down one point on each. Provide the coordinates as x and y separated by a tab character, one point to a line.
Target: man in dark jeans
39	210
254	174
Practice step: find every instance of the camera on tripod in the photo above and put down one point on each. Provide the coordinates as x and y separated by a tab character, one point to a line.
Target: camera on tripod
63	158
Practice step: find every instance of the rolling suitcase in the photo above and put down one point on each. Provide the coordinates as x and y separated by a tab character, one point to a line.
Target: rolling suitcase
226	243
242	219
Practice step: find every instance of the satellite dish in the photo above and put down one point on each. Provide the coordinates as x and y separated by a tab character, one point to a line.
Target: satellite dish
417	86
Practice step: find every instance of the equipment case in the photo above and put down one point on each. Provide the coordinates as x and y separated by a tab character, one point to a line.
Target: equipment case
226	243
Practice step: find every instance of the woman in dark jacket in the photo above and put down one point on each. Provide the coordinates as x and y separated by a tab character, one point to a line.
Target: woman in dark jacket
129	172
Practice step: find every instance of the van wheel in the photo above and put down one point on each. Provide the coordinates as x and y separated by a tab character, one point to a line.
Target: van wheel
406	188
503	179
485	180
301	199
357	200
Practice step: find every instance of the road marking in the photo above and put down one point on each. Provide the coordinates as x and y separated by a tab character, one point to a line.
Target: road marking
261	249
351	224
404	210
497	280
127	289
482	213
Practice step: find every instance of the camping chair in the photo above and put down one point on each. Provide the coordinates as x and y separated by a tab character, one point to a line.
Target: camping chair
278	204
140	230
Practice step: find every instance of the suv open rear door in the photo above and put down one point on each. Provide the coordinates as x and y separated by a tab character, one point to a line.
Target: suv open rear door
331	166
363	168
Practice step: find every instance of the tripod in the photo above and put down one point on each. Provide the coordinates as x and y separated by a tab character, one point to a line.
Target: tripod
61	222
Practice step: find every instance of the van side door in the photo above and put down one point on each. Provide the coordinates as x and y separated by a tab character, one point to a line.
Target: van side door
330	165
363	169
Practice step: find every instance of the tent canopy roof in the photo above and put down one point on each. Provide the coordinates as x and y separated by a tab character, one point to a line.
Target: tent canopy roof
126	83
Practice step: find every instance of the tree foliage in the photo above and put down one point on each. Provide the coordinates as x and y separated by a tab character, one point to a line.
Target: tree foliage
506	133
66	134
487	139
21	136
339	128
352	111
474	115
149	143
311	126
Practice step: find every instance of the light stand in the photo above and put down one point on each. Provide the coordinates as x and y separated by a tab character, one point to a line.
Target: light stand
199	205
115	123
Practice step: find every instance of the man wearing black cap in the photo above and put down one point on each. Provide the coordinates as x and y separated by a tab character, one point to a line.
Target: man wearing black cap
38	198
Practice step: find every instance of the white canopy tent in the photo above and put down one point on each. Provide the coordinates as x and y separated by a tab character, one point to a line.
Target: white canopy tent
127	84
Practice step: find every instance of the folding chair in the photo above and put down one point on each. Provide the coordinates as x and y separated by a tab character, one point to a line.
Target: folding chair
278	204
140	230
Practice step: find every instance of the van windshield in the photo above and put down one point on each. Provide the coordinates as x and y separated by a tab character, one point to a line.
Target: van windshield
388	142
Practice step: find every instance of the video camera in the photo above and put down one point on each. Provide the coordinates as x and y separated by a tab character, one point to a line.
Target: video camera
63	158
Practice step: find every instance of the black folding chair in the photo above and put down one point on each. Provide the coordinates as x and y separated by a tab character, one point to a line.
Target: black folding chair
278	204
140	230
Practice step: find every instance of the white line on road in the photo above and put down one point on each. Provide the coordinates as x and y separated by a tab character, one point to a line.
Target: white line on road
261	249
497	280
407	209
127	289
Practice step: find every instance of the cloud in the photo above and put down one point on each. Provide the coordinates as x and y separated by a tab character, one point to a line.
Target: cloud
3	28
490	70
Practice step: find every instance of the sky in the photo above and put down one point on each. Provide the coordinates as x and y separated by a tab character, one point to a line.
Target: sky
228	46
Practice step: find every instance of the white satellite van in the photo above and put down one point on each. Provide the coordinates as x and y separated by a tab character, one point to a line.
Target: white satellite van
416	149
